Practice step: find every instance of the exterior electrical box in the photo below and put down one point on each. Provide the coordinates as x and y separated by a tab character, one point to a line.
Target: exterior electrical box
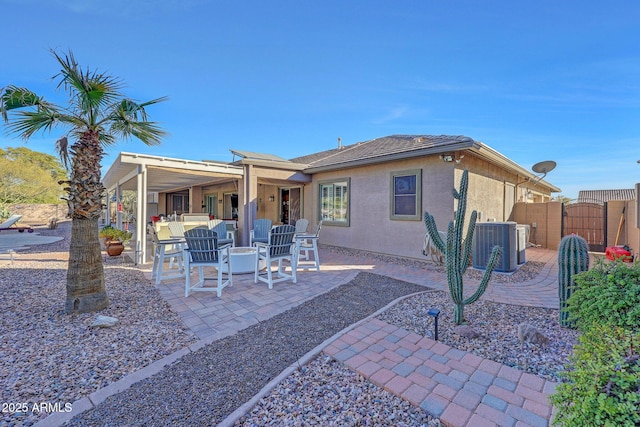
490	234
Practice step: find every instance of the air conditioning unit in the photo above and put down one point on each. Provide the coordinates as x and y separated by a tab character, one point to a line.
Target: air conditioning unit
490	234
522	235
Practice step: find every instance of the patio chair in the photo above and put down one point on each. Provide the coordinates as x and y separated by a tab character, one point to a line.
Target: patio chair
202	250
260	232
176	229
165	249
279	248
301	226
220	228
305	245
10	224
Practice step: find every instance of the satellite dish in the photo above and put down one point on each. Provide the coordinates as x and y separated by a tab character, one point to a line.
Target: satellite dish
543	167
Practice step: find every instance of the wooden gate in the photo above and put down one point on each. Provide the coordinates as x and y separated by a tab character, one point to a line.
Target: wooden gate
587	220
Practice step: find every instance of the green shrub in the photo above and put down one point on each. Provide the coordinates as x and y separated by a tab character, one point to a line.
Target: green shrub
604	386
607	294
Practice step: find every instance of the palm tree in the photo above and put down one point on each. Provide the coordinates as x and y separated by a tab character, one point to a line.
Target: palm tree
97	115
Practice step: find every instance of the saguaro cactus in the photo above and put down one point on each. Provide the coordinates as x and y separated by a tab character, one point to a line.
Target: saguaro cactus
457	251
573	258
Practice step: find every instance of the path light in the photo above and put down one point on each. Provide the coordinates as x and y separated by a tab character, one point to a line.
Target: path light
434	312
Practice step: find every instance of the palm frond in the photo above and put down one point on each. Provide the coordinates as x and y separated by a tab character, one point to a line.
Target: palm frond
62	146
13	98
91	92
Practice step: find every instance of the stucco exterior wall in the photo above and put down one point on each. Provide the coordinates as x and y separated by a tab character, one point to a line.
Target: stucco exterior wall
371	227
629	232
38	214
547	218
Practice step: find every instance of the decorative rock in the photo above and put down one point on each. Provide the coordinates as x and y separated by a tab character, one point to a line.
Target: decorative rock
528	333
467	331
104	322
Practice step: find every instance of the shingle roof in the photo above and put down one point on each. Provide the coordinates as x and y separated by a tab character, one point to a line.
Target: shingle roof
381	148
590	196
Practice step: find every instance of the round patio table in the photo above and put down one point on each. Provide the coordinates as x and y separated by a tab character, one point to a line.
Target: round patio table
243	260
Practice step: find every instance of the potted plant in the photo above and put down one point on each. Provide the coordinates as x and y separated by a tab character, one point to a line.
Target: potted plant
107	233
115	239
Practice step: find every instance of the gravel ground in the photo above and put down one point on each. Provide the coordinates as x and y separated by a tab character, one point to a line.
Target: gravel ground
497	326
49	356
46	355
205	386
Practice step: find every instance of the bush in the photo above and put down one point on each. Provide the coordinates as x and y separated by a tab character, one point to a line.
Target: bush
607	294
604	387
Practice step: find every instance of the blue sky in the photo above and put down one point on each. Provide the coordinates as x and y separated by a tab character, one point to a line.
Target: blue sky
543	80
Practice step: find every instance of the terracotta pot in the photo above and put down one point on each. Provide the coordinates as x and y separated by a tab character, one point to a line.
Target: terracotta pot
114	248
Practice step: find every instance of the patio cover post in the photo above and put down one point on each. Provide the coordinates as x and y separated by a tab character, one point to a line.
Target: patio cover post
141	216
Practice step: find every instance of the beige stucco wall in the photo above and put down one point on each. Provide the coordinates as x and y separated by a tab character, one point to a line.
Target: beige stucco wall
36	214
370	227
547	218
629	232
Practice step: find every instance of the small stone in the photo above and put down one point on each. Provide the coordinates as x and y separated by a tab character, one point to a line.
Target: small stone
467	331
104	322
528	333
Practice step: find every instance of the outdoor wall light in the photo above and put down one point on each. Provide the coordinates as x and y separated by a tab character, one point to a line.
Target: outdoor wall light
434	312
447	157
272	198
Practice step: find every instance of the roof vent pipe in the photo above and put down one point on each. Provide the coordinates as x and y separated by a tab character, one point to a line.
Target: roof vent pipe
339	143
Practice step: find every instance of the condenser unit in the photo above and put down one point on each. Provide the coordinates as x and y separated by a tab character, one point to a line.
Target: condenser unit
490	234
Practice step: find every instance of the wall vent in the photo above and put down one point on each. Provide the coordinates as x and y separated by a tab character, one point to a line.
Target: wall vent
490	234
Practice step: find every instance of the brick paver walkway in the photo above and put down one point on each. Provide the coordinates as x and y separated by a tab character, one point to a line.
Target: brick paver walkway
458	387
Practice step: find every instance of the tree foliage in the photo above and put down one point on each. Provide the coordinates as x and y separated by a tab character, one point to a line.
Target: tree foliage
28	176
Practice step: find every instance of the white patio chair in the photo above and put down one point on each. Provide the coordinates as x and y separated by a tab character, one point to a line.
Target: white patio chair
279	248
163	250
202	250
260	232
176	229
307	244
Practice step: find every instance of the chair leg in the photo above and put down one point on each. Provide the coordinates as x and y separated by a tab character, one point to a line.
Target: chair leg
187	280
160	265
269	273
315	254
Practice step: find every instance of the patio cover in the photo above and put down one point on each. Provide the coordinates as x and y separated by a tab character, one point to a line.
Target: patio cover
145	173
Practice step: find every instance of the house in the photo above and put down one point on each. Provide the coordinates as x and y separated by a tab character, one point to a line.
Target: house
370	195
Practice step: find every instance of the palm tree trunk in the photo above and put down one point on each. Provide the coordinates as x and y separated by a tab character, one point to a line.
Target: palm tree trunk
85	276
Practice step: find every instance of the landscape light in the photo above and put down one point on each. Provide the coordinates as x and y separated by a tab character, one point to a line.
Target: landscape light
434	312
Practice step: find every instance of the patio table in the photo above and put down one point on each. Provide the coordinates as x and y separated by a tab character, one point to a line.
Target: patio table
243	260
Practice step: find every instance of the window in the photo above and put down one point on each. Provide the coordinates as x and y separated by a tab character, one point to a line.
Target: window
334	202
406	196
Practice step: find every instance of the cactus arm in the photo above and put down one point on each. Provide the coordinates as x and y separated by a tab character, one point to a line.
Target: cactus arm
493	260
436	240
468	241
